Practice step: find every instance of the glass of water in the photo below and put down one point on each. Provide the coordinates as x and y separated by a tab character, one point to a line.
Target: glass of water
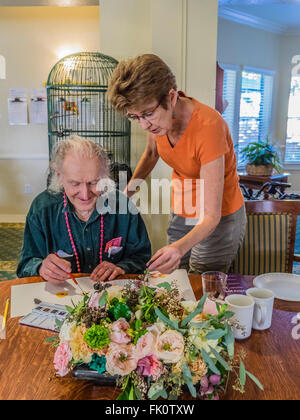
214	283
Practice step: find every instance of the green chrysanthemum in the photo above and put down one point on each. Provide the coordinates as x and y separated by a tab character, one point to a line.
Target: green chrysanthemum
97	337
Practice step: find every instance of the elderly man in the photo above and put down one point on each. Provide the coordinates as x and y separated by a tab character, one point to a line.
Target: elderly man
65	220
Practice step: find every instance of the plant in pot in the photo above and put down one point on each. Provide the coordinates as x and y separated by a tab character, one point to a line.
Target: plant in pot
261	158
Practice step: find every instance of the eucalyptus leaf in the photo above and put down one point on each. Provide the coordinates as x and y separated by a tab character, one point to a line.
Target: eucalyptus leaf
197	311
229	341
209	361
255	380
220	359
59	323
242	374
167	321
103	299
201	325
187	377
69	309
165	285
215	334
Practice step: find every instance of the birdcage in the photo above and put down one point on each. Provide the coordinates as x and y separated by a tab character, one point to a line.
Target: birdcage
77	104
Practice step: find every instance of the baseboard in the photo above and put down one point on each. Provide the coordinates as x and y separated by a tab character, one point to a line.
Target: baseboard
12	218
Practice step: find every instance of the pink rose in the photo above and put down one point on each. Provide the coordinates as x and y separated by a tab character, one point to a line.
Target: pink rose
94	301
121	360
170	346
210	307
62	357
150	366
146	345
119	330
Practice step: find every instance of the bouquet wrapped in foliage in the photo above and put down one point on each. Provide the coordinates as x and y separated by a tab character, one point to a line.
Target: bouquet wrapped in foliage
155	342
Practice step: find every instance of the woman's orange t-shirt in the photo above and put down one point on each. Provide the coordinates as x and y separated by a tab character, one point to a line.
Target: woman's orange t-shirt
206	138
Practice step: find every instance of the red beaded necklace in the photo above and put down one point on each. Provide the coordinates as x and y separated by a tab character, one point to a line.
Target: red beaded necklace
72	240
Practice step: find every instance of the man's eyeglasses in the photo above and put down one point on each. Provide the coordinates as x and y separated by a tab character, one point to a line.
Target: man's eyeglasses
147	116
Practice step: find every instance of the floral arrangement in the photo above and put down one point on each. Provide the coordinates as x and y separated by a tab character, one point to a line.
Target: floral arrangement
156	343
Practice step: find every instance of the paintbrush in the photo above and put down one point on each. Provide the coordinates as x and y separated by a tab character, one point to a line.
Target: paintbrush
73	278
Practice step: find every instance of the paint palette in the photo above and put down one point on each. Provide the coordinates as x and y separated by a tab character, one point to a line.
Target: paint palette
44	316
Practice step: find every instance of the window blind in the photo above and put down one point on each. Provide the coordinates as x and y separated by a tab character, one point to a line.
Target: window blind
229	89
255	108
292	150
248	114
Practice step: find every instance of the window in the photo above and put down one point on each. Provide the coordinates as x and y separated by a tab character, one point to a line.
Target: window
292	150
249	96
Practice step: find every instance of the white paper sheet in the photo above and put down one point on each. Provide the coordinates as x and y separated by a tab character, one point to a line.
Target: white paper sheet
38	106
22	296
17	106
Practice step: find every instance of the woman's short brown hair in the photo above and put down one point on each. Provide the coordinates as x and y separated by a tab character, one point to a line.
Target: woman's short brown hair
139	81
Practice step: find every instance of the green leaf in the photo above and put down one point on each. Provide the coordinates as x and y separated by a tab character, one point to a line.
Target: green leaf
69	309
165	285
51	339
103	299
131	393
121	310
229	341
201	325
220	359
209	361
197	311
167	321
59	323
138	393
216	334
157	391
187	377
242	374
255	380
162	393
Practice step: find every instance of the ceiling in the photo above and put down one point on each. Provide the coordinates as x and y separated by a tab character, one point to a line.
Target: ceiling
281	16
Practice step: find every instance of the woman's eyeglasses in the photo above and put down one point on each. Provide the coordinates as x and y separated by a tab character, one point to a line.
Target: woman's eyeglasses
146	116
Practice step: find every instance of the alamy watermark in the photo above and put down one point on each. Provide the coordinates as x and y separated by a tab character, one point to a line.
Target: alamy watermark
296	68
188	197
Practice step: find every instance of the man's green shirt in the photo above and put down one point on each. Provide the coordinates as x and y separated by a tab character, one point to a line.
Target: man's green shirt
46	232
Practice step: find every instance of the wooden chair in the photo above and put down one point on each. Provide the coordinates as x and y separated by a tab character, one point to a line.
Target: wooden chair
269	241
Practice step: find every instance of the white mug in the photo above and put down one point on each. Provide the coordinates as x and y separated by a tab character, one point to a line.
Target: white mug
243	308
263	310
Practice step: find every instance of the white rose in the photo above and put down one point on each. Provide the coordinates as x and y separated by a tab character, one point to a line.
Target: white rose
64	334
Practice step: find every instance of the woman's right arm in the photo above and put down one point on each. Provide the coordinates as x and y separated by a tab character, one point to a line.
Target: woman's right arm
146	164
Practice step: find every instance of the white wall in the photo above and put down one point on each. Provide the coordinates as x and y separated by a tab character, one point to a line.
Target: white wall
30	40
184	34
243	45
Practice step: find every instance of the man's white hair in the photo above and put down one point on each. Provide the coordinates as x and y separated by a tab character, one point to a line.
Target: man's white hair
80	146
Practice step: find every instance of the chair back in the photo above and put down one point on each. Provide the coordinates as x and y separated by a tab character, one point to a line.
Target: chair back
269	241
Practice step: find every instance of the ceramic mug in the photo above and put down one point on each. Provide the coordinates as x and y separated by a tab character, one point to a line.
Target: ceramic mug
243	307
263	310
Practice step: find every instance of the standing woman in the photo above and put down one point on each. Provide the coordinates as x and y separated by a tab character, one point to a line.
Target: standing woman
195	141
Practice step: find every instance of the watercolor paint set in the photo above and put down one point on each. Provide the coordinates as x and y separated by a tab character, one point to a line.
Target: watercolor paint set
44	316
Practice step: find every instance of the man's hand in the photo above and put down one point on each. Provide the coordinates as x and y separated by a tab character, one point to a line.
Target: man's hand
55	269
106	271
166	260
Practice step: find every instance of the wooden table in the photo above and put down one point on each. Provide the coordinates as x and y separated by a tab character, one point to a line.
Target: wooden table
255	182
27	373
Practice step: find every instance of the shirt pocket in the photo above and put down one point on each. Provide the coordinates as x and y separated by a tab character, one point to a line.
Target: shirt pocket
115	258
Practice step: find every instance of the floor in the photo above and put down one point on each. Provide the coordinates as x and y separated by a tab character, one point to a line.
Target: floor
11	238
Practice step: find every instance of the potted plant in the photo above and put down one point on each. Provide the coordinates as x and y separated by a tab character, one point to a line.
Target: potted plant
261	157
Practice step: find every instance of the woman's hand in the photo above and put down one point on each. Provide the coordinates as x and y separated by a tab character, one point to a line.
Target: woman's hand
106	271
166	260
55	270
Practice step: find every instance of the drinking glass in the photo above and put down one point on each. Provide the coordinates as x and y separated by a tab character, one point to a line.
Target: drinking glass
215	284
